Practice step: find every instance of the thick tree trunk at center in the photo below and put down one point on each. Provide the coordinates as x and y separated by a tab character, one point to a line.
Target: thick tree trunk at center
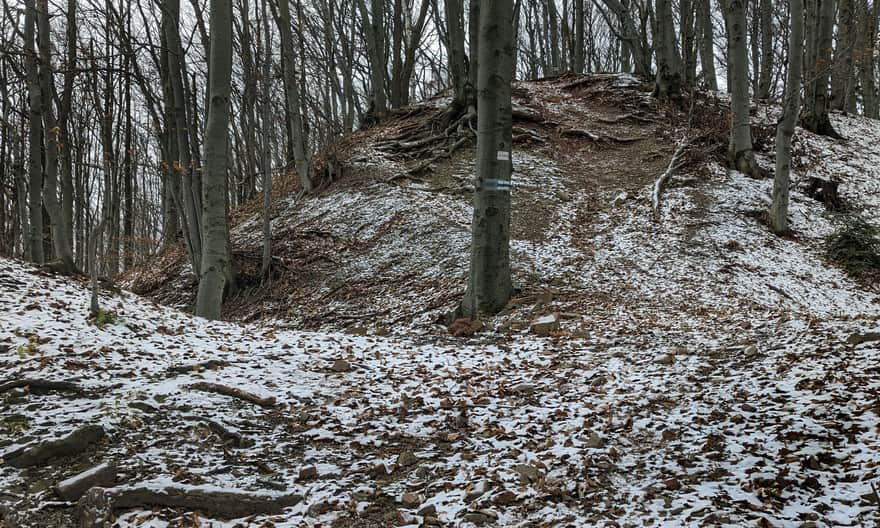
489	284
215	256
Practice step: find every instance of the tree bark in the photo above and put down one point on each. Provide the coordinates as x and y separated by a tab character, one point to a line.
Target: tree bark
35	155
291	89
215	254
742	157
815	116
765	78
489	283
668	80
778	214
707	44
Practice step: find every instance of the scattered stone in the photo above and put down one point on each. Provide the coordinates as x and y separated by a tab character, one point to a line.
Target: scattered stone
308	473
406	459
665	359
320	508
545	325
679	351
341	365
379	471
747	407
672	484
431	520
411	500
357	330
428	511
528	473
523	388
750	351
504	498
477	491
480	517
594	441
862	337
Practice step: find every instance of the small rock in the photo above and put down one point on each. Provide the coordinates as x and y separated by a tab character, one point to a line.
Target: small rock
379	471
411	500
406	459
862	337
480	517
504	498
672	484
341	365
357	330
665	359
594	441
430	520
528	473
320	508
477	491
523	388
545	325
751	351
428	511
308	473
747	407
679	351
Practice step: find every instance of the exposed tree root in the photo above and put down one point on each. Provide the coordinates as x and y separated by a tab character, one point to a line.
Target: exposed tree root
234	392
72	444
76	486
674	164
449	130
97	506
605	138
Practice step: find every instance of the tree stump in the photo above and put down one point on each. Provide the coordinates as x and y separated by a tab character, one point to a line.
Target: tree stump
824	191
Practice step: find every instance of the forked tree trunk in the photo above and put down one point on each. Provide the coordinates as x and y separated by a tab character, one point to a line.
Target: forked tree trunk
489	284
215	255
61	244
778	214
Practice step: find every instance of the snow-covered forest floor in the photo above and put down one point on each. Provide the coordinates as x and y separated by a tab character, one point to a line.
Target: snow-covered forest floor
704	372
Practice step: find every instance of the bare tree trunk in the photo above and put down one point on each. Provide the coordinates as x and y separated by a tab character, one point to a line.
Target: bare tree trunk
742	157
215	254
707	44
265	269
815	112
579	36
63	248
765	78
457	56
489	283
553	30
35	170
291	90
474	41
785	130
868	15
668	80
843	77
189	195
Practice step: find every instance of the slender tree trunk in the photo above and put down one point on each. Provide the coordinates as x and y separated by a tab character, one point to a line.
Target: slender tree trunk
815	116
215	255
489	284
62	246
668	79
579	36
868	15
35	169
742	157
474	40
765	78
785	130
291	89
843	77
183	165
707	44
265	269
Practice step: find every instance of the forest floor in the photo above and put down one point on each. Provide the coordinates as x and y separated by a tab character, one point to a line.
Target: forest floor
703	372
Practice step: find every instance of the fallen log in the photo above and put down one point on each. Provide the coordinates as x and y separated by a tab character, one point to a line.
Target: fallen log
39	385
234	392
72	444
225	433
96	507
73	488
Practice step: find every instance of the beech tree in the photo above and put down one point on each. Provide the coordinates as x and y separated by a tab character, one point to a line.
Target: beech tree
215	257
785	129
489	284
741	154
